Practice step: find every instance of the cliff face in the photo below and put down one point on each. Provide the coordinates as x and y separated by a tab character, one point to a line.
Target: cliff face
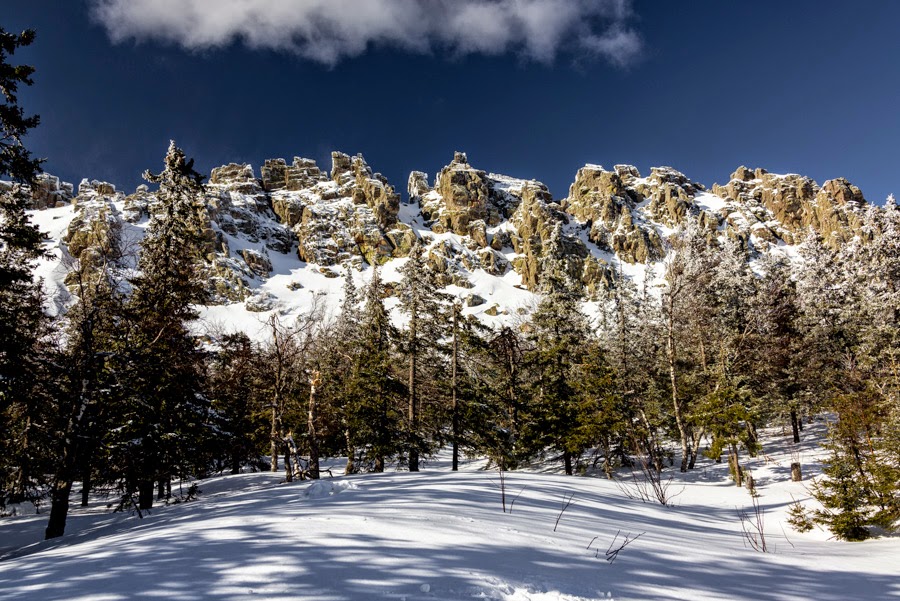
472	221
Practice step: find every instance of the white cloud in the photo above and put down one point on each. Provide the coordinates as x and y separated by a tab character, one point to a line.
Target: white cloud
328	31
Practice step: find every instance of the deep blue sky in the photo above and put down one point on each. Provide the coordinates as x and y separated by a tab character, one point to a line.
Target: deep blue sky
806	86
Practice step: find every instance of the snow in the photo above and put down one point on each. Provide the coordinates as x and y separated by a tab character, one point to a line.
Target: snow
710	202
443	535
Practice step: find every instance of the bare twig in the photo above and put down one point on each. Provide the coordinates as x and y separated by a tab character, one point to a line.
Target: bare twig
566	502
649	485
753	527
612	552
786	537
502	486
516	499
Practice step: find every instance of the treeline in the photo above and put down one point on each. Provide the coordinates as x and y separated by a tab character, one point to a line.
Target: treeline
120	394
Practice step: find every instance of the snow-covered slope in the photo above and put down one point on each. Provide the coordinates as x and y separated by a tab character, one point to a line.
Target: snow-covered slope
444	535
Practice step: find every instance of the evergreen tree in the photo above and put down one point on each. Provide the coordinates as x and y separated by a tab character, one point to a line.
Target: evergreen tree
727	408
22	321
374	418
630	334
426	307
775	344
687	311
82	410
560	335
168	419
491	382
233	390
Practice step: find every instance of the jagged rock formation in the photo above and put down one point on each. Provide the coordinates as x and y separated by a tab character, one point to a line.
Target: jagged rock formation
603	202
497	214
470	220
786	206
94	234
350	214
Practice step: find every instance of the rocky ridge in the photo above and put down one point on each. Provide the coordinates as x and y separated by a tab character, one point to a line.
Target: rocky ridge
471	220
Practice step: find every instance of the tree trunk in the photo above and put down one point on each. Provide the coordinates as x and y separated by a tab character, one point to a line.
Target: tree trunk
85	486
145	494
351	453
273	433
795	425
379	464
697	439
796	472
311	428
288	468
567	461
412	417
59	509
735	465
753	436
453	392
160	489
676	404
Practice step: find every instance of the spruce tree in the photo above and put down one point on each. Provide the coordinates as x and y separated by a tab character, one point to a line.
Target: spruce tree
631	331
775	344
22	321
492	385
82	411
426	307
233	386
168	413
373	415
560	335
687	313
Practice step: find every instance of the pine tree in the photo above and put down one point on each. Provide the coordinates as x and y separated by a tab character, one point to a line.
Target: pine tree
560	336
426	307
85	392
233	389
168	419
631	331
22	321
687	311
775	344
343	351
373	415
491	382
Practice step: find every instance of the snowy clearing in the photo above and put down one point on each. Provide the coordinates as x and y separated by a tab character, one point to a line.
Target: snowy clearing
443	535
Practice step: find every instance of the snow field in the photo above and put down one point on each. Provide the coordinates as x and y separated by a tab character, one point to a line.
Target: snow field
443	535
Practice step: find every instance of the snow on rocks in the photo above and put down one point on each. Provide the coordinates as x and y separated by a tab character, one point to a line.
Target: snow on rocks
273	240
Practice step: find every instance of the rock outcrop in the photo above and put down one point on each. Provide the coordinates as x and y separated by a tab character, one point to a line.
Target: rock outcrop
47	192
473	220
606	203
785	207
93	237
505	223
351	214
464	199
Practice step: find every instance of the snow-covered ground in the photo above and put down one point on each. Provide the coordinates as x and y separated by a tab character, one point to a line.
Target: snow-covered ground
443	535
